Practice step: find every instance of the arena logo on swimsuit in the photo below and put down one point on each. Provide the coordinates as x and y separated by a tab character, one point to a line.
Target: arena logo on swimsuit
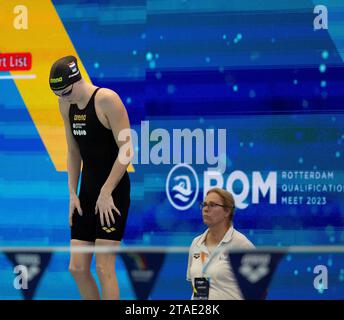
80	117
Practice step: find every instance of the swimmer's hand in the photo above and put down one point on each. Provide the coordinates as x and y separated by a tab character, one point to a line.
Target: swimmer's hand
74	203
105	206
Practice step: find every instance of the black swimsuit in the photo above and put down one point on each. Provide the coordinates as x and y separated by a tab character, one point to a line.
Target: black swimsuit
99	150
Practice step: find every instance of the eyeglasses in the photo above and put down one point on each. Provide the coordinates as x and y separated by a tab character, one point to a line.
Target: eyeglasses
211	205
65	94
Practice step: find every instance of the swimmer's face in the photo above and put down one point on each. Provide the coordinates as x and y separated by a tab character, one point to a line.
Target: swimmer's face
66	94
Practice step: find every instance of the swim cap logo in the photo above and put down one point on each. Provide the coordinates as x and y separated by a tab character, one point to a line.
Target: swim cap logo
72	66
56	80
182	186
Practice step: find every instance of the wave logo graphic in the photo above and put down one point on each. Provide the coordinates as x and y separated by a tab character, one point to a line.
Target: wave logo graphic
182	186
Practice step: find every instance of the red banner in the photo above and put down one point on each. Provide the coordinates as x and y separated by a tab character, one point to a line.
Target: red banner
15	61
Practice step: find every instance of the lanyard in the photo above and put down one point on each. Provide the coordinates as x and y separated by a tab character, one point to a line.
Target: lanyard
220	249
211	257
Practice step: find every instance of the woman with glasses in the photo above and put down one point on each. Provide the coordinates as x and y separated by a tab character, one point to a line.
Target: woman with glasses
208	267
93	118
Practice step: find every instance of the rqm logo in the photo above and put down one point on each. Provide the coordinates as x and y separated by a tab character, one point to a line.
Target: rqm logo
256	184
182	186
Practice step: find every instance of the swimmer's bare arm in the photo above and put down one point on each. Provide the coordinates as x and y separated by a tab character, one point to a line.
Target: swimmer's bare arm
117	118
73	162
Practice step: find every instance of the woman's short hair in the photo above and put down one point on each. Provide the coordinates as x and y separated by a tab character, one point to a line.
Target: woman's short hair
227	198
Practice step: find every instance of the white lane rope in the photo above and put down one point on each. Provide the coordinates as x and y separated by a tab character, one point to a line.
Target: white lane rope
169	249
